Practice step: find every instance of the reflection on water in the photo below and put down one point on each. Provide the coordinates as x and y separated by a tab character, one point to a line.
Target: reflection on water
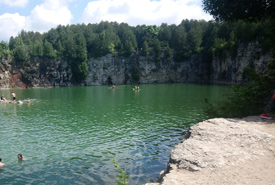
71	135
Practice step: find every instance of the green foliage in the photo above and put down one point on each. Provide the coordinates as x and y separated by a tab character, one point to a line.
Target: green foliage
145	48
48	50
4	49
78	58
249	10
14	42
157	50
20	53
37	49
128	40
245	100
188	38
122	178
167	52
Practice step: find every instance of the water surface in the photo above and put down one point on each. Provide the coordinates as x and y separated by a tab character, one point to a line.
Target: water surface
71	135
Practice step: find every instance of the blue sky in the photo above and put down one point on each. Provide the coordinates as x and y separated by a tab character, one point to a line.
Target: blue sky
42	15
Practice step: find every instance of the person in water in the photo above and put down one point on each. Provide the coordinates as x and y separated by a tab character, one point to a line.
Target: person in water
113	87
3	99
20	102
20	157
1	164
136	87
13	96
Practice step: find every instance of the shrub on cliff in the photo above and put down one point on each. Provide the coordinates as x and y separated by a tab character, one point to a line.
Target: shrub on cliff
248	99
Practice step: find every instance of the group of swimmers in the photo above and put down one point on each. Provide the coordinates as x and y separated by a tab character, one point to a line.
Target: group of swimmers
19	156
114	87
3	99
13	97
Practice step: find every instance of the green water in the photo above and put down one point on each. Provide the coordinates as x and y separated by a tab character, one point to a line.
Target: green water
71	135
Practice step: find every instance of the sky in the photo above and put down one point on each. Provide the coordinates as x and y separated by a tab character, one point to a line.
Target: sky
42	15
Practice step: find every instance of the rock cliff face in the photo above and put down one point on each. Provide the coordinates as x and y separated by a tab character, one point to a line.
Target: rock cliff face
34	73
37	72
230	69
138	69
224	151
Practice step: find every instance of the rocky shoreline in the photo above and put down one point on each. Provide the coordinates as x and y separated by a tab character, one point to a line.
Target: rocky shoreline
224	151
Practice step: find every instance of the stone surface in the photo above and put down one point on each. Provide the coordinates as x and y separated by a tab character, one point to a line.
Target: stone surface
224	151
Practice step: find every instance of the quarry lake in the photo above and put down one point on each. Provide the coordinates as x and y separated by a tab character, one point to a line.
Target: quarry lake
71	135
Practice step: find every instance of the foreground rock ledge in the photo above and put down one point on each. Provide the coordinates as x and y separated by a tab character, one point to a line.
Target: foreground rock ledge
224	151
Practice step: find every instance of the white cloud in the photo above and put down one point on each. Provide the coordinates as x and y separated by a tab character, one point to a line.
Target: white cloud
48	15
18	3
10	25
137	12
42	18
51	13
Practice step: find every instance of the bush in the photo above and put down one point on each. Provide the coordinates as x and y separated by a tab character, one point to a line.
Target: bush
245	100
122	178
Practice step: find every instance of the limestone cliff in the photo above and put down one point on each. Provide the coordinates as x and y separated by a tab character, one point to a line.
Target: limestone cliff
41	72
139	69
230	69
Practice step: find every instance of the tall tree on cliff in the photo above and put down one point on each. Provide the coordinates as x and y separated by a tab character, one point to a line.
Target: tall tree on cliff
75	52
233	10
251	98
79	62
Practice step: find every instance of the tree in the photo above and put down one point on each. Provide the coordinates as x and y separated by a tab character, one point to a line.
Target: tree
233	10
101	45
4	49
37	49
14	42
48	50
157	49
78	61
165	33
20	53
167	53
178	42
127	38
145	48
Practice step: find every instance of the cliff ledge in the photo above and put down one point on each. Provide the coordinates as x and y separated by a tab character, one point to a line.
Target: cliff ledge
224	151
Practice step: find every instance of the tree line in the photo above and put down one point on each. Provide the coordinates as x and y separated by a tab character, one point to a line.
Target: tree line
77	43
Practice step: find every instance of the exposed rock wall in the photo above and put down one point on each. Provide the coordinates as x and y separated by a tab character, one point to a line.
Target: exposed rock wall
5	74
35	72
230	69
40	72
139	69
